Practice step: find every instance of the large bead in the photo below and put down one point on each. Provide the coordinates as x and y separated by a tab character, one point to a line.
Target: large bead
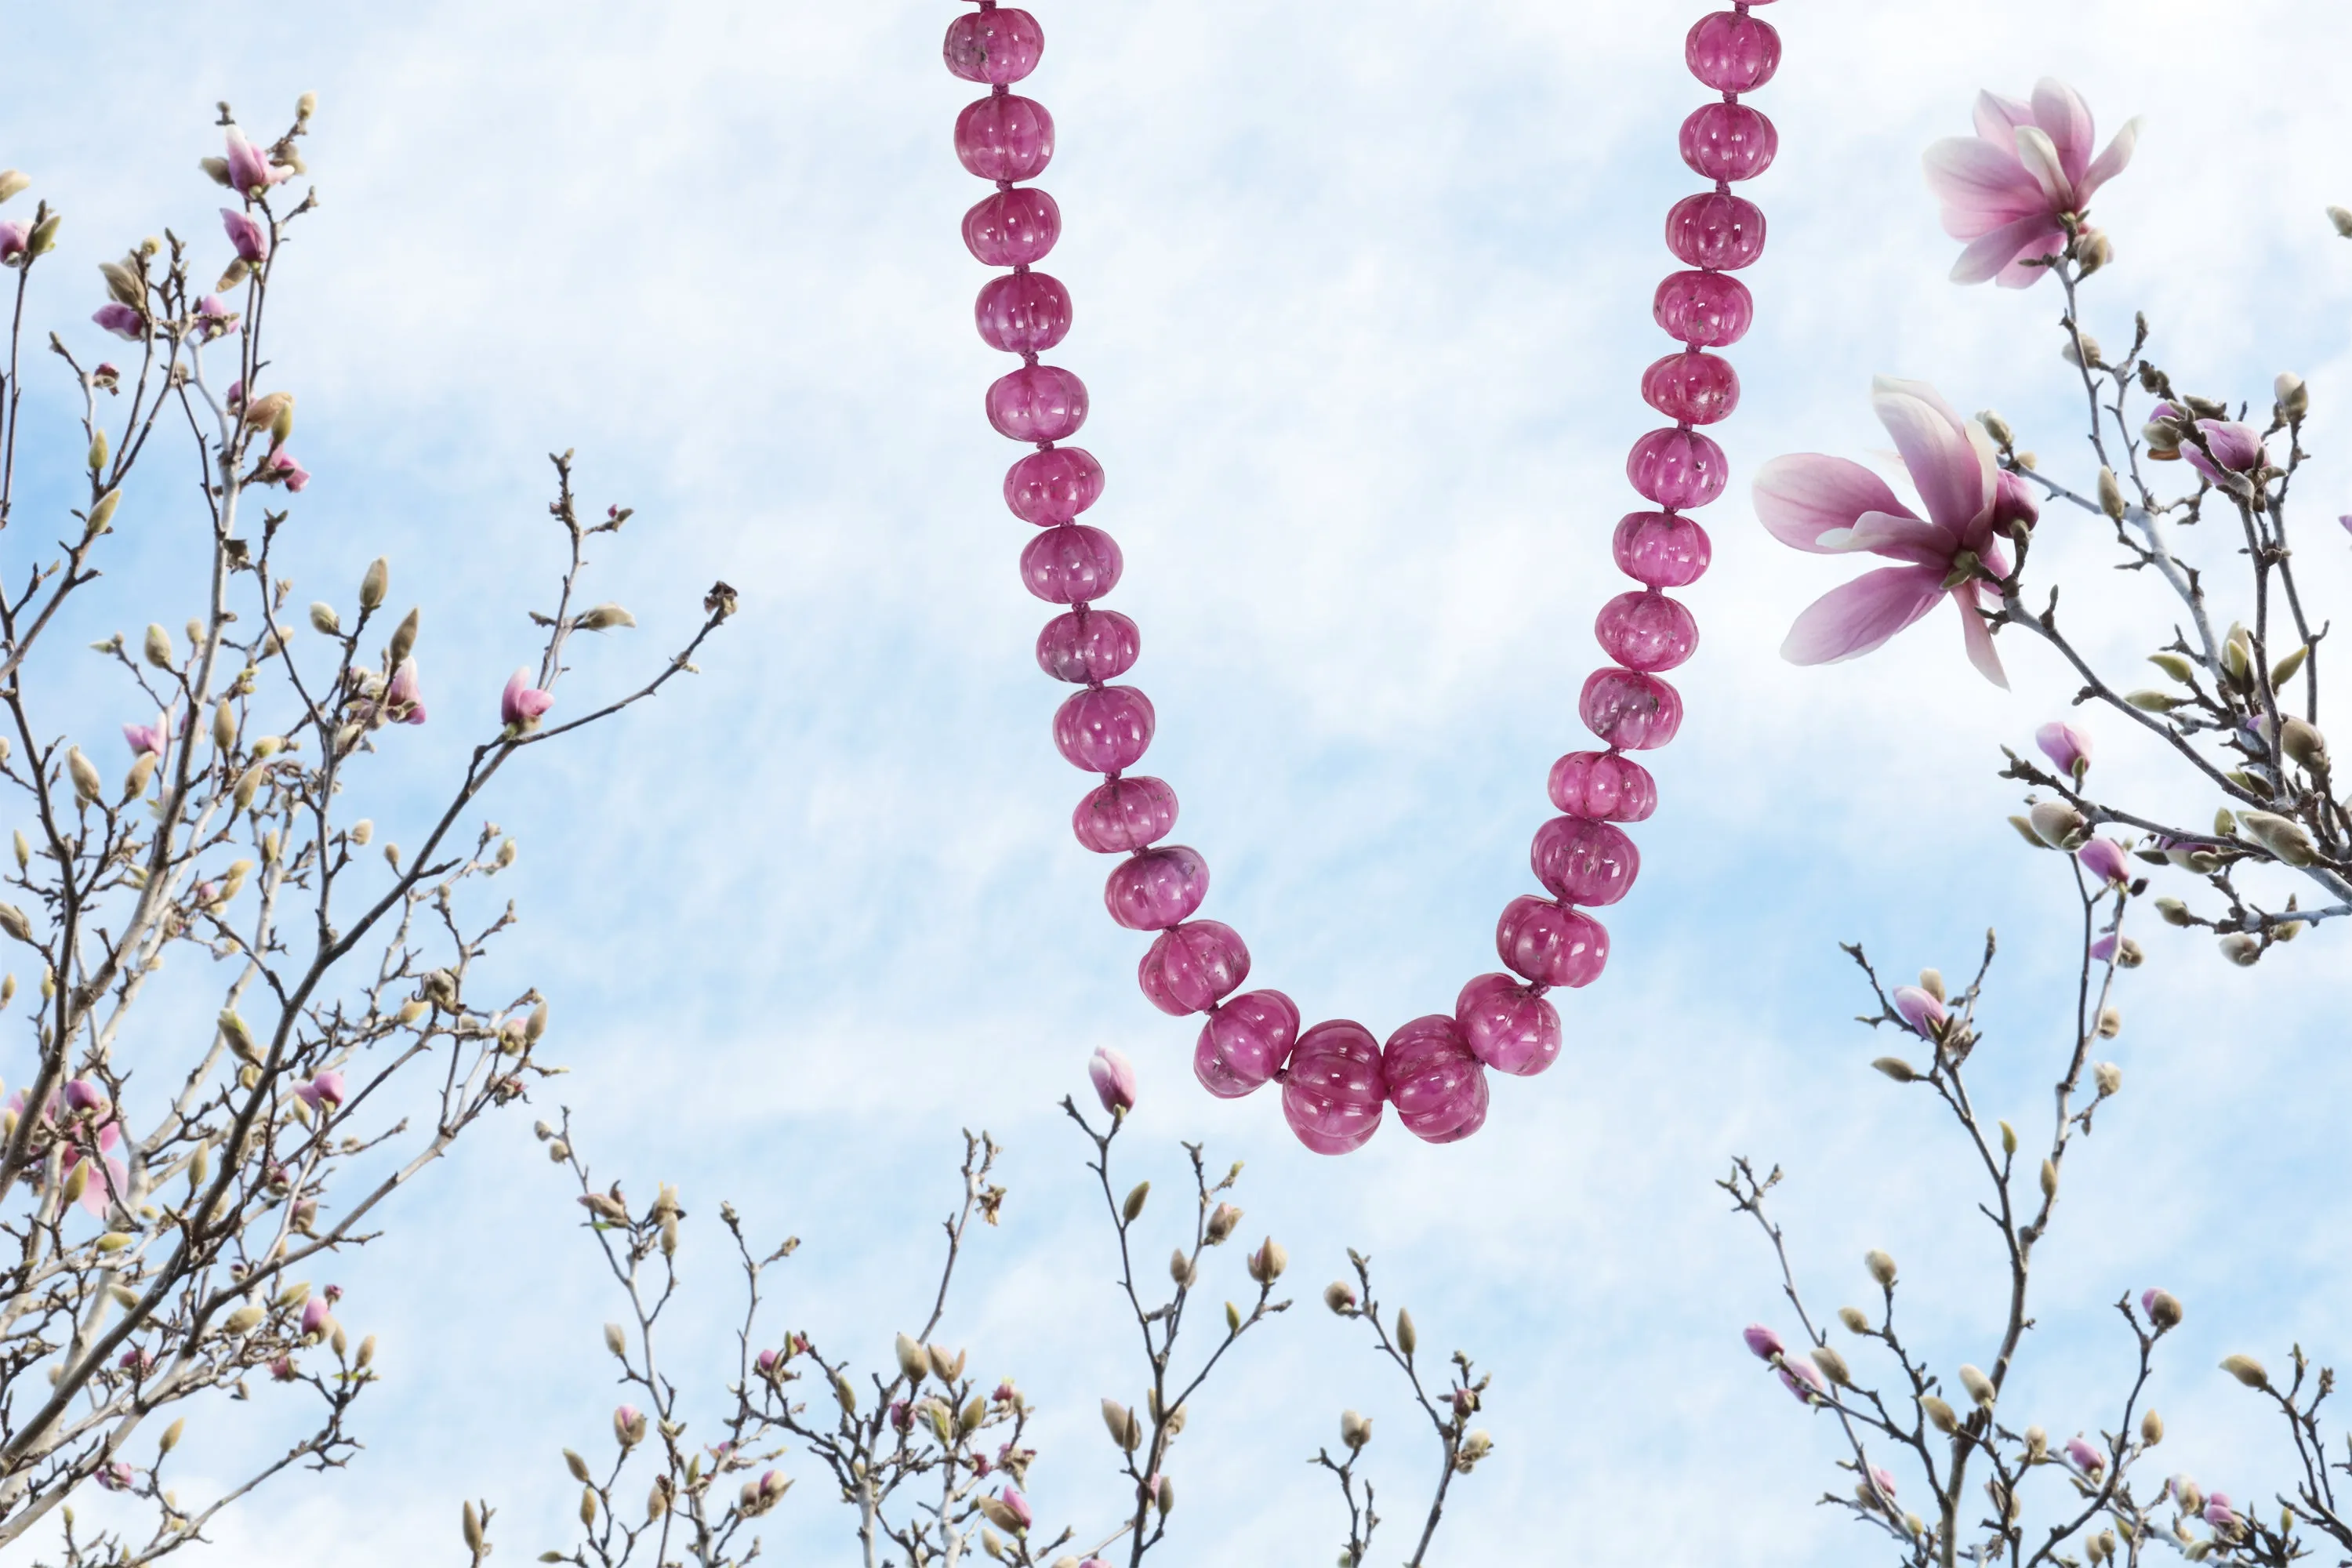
1157	889
1630	710
1706	310
1105	730
1646	631
1550	945
1071	565
1005	136
1245	1043
1333	1089
1022	312
1507	1025
1693	387
1038	403
1664	548
1715	231
1434	1081
1584	862
1123	814
994	46
1193	966
1603	787
1089	648
1053	486
1728	142
1732	52
1675	467
1012	228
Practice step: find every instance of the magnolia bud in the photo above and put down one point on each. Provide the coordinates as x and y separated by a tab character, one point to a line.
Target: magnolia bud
404	640
13	183
2111	1023
158	647
1852	1319
1222	1221
2246	1370
2049	1179
324	619
141	774
1897	1068
1179	1268
944	1367
2164	1310
2151	1429
1978	1386
2285	669
1124	1429
2241	950
2286	839
373	584
2080	348
2148	701
86	781
1164	1499
2108	1076
2059	824
1834	1366
14	922
1407	1339
2174	913
2037	1445
1267	1264
244	1319
1339	1295
2294	397
2304	743
1355	1430
913	1364
102	515
1939	1414
1881	1267
2111	495
1133	1208
604	617
614	1340
1996	426
2341	220
473	1529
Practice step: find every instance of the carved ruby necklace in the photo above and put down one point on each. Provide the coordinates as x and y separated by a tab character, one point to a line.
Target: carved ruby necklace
1336	1076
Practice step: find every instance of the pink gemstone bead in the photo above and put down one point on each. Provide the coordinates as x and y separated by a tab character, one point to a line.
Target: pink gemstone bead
1245	1043
1550	945
1584	862
1433	1080
1710	310
1647	632
1038	403
1191	967
1693	387
1715	231
1088	647
1005	137
1631	711
1022	312
1509	1027
994	47
1676	468
1105	730
1333	1088
1728	142
1157	889
1070	565
1047	488
1603	786
1732	53
1662	549
1012	228
1126	814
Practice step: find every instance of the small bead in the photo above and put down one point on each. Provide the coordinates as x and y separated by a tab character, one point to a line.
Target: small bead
1012	228
1436	1084
1104	731
1022	312
1157	889
1070	565
1506	1025
1676	468
1603	786
1192	967
1333	1089
1047	488
1631	711
994	46
1693	387
1662	548
1004	137
1089	646
1732	53
1715	231
1710	310
1728	142
1123	814
1038	403
1550	945
1647	632
1584	862
1245	1043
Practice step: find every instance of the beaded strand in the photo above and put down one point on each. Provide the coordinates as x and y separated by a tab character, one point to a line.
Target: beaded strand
1337	1077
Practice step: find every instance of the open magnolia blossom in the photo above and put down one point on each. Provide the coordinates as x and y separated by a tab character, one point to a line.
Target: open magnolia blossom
2015	188
1832	506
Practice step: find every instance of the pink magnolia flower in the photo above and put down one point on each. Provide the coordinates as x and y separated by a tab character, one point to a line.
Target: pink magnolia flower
82	1095
251	240
249	172
146	737
2218	1511
1885	1482
628	1424
1016	1505
1831	507
1114	1079
2104	860
1803	1379
2067	747
1919	1008
324	1092
404	702
2005	189
120	320
213	319
2101	951
85	1103
902	1417
769	1363
15	238
106	377
521	705
137	1362
280	469
316	1315
2088	1459
1763	1342
115	1476
281	1369
2237	447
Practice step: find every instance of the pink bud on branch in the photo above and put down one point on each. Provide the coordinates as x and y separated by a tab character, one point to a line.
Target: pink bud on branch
1114	1080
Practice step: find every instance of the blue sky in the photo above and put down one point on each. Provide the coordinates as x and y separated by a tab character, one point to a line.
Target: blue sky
1362	300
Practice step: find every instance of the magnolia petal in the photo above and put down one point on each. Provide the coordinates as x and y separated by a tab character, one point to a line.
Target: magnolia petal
2065	118
1978	637
1997	119
1981	186
1997	254
2110	162
2040	158
1954	478
1900	536
1858	617
1804	498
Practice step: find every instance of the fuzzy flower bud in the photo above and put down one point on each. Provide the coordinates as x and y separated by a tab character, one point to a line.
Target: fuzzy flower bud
1267	1264
2068	748
2088	1459
1881	1267
2104	860
2246	1370
521	705
1924	1013
2058	824
1114	1080
1339	1295
2162	1306
1763	1342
